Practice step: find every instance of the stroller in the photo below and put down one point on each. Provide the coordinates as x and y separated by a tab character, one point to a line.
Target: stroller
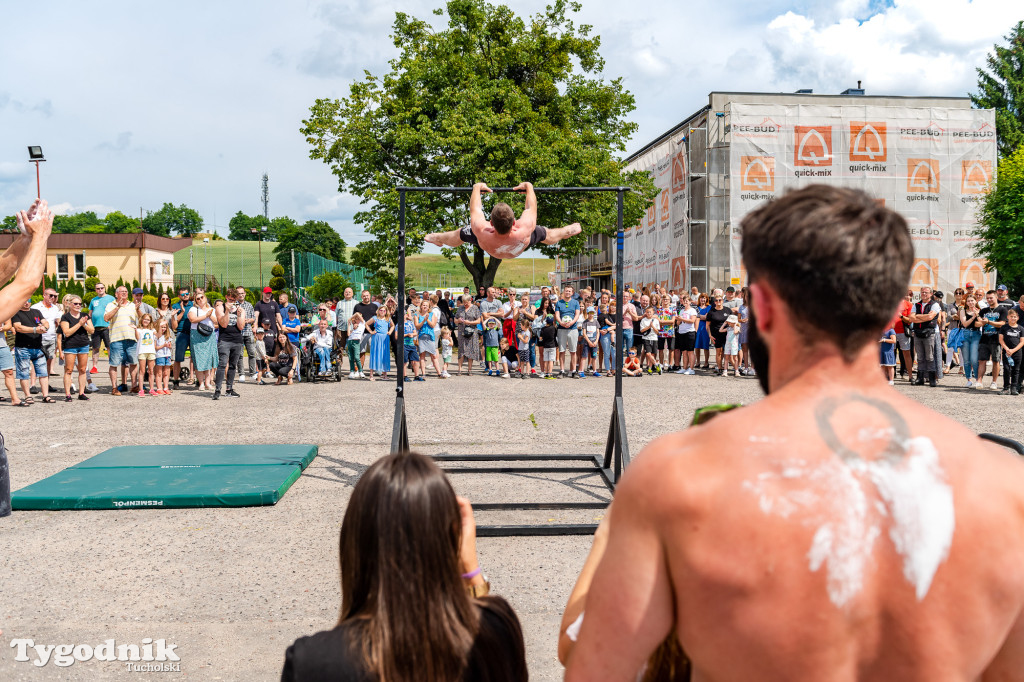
311	363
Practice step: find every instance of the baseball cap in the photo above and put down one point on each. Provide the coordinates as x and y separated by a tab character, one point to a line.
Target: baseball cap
970	285
591	309
268	290
260	330
1001	287
137	290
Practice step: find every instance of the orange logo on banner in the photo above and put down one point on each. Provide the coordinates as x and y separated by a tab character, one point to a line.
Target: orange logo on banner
925	273
679	173
975	175
650	215
923	175
665	202
813	146
757	173
973	270
678	273
868	141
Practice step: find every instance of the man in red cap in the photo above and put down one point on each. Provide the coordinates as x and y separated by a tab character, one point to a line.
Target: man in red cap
268	313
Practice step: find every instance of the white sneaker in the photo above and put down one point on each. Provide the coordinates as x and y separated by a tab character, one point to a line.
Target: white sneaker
691	372
681	371
353	375
994	386
362	376
505	375
91	387
241	377
970	384
892	383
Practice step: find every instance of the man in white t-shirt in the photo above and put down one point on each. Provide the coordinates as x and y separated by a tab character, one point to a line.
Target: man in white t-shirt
51	312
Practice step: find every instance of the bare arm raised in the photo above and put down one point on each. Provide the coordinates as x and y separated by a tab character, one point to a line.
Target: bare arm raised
31	263
477	219
528	218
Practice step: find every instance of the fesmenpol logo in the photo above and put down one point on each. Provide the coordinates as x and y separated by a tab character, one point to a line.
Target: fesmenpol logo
757	174
975	174
923	176
812	146
869	142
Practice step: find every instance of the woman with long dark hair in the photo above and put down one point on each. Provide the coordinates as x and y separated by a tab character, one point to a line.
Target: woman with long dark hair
413	600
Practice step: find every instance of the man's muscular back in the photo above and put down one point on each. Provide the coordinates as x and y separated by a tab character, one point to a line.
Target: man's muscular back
839	536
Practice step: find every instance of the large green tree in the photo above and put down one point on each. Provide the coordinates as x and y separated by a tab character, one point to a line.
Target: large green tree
491	97
118	222
180	220
1001	87
1001	215
314	236
240	227
76	222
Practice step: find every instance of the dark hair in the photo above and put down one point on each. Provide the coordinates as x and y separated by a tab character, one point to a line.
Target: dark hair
835	253
502	218
400	579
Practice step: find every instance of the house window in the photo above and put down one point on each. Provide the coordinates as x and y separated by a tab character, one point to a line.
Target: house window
62	266
79	266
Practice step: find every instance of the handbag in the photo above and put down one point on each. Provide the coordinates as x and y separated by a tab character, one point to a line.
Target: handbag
205	327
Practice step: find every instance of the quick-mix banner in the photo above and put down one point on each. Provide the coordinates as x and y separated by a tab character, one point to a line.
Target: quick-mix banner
930	164
655	249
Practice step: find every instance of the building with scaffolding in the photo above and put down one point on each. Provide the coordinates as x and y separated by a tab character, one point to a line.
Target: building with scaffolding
930	158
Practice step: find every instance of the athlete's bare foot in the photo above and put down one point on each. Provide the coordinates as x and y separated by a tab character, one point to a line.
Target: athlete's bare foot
433	238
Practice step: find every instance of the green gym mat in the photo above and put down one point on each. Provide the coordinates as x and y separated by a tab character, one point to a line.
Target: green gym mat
173	476
200	456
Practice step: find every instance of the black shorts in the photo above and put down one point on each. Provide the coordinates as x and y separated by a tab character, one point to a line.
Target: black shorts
685	342
989	350
664	342
100	334
540	233
650	346
719	338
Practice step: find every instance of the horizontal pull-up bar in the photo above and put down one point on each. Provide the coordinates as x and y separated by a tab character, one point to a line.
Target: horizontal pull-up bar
513	189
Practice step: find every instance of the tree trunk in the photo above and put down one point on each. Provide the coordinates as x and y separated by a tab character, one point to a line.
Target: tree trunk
482	273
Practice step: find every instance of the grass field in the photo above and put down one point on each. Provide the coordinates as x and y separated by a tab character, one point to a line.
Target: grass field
239	263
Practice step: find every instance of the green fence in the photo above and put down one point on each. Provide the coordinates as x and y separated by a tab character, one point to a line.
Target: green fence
249	264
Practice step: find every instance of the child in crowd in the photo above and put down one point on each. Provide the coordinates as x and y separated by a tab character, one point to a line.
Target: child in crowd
524	336
649	327
446	348
356	329
412	353
549	345
732	329
631	367
145	335
1011	338
380	346
164	346
889	355
492	349
260	348
509	357
589	344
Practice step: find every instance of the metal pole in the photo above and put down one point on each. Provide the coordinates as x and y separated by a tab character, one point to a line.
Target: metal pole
400	335
259	236
619	238
5	480
39	194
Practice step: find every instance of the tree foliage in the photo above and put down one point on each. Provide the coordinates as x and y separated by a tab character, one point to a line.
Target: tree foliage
181	220
240	227
491	97
328	285
1001	215
1001	87
314	236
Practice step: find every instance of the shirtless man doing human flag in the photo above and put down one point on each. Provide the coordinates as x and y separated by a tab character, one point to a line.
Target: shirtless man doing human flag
503	236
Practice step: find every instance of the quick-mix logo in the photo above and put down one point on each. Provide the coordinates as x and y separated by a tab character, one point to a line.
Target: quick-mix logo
666	214
922	179
812	146
678	175
975	174
757	177
869	147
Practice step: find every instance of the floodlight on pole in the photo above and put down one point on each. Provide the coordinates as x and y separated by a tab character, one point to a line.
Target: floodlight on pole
35	155
259	237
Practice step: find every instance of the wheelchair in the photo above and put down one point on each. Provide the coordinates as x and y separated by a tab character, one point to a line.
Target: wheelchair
311	363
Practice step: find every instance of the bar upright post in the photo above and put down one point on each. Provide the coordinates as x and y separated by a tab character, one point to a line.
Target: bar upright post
400	295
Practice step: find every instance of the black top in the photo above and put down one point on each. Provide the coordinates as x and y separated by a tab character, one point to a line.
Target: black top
367	310
997	314
28	318
80	338
606	320
336	655
1011	335
548	336
715	320
268	311
230	333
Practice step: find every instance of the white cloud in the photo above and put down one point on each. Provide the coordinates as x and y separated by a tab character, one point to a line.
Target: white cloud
65	208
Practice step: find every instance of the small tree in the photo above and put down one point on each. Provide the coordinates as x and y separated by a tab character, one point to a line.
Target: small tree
277	280
1001	216
328	285
92	271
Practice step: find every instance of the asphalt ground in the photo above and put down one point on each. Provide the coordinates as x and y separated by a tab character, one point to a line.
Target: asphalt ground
232	588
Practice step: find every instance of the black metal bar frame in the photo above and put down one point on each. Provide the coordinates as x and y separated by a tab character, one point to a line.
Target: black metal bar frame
616	454
1014	445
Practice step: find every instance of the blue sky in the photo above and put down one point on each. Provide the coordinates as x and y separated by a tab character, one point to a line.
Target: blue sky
137	104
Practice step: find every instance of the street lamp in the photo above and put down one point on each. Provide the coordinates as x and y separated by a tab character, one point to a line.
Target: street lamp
35	155
259	237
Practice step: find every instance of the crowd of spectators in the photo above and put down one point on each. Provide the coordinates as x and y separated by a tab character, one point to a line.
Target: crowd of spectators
551	334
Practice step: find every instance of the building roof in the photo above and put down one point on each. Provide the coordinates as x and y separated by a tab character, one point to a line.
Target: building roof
131	240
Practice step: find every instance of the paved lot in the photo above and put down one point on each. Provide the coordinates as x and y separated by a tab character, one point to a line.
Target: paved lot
233	587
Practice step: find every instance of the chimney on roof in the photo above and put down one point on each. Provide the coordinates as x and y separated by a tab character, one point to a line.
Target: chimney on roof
853	91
